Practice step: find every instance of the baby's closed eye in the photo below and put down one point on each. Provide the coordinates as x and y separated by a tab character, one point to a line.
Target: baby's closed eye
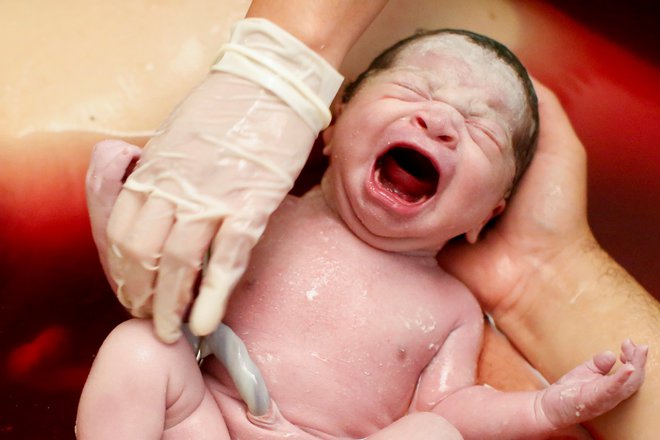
482	132
411	90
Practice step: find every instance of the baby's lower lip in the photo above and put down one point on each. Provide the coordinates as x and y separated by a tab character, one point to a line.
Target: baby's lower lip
401	196
391	201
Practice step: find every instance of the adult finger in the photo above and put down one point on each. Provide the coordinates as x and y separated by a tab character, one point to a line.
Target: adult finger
556	132
126	209
180	263
140	250
229	258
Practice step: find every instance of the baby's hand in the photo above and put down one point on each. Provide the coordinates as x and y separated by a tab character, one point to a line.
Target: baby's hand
587	391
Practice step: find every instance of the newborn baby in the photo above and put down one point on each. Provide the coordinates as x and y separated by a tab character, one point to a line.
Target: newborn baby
356	329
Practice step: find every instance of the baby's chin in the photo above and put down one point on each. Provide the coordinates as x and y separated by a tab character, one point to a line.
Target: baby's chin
375	231
391	240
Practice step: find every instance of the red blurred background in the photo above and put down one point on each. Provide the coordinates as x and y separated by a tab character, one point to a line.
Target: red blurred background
55	306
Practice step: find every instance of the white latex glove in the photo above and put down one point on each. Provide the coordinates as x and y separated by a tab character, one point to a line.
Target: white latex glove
223	162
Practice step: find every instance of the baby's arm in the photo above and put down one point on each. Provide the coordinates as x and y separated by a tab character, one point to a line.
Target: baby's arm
584	393
455	365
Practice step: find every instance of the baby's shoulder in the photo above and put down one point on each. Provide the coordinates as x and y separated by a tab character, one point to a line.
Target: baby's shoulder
459	291
303	222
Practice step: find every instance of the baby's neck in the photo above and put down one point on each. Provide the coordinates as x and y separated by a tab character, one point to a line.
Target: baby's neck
324	193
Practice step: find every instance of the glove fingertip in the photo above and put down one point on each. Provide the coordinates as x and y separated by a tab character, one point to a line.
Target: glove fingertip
206	316
121	296
167	325
203	326
167	332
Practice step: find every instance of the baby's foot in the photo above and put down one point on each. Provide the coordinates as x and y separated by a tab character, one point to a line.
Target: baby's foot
587	391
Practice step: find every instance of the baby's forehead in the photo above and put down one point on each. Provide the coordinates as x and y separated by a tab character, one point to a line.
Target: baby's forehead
473	57
454	61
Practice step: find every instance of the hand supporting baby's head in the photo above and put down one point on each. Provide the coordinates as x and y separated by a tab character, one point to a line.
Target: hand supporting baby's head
430	141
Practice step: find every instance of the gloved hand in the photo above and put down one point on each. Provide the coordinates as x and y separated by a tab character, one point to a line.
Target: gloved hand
223	162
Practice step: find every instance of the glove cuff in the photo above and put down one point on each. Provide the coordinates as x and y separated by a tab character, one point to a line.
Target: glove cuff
265	54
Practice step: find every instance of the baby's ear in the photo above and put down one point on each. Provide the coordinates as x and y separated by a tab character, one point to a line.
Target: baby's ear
337	108
327	136
472	235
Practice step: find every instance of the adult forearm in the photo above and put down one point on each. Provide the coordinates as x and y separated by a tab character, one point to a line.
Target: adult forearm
582	303
329	27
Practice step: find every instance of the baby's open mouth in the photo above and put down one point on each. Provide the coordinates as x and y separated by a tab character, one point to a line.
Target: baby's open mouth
408	174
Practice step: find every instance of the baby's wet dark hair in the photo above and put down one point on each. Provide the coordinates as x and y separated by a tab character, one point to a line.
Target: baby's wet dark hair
524	139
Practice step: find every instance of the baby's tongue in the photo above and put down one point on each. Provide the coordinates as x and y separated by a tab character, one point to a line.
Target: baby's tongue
400	181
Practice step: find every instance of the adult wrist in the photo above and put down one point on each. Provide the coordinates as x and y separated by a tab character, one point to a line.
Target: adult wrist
328	27
270	57
554	281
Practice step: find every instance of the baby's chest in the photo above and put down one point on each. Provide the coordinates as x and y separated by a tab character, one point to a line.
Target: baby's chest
325	288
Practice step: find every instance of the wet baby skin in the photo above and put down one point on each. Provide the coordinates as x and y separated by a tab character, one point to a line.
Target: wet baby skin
355	328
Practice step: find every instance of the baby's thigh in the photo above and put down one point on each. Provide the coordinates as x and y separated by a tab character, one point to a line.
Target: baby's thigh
149	389
204	422
191	412
270	426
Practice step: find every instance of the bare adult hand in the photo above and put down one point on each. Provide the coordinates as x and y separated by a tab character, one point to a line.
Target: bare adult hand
220	166
546	219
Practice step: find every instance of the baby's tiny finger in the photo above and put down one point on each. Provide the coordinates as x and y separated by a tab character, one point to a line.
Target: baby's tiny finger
603	362
639	356
627	350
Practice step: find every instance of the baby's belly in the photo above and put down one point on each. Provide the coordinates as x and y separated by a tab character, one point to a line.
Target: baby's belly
329	386
242	425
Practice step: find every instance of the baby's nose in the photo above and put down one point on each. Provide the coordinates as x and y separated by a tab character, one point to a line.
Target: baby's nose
438	125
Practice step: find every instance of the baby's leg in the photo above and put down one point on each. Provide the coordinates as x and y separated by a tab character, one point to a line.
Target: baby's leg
587	391
140	388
